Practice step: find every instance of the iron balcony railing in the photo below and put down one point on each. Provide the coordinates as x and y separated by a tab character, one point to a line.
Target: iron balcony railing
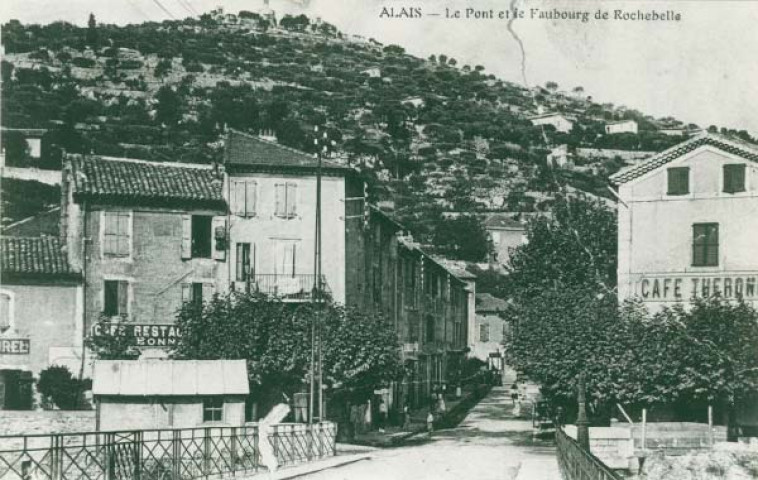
297	287
178	454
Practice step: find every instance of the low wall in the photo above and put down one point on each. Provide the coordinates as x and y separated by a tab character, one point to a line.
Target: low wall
619	446
32	422
50	177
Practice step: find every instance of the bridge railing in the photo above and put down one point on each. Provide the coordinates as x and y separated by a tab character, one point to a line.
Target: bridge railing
576	463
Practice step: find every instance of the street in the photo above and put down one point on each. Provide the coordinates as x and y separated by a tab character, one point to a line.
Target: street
488	444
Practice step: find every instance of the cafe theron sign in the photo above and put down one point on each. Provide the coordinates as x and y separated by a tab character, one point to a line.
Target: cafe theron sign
144	335
683	287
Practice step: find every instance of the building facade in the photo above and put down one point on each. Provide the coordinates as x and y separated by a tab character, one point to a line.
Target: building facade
687	223
40	315
271	192
491	330
430	303
506	234
623	126
146	236
560	122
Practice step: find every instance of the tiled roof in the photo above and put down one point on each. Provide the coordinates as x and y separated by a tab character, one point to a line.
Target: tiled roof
736	147
106	178
250	151
33	255
485	302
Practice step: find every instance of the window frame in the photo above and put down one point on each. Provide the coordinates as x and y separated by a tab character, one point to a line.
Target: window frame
244	270
669	181
11	311
726	186
104	235
212	409
249	205
710	249
194	248
285	208
125	302
484	332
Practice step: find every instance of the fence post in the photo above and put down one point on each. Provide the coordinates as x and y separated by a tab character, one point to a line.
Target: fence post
176	453
110	460
206	451
233	450
582	424
137	453
55	458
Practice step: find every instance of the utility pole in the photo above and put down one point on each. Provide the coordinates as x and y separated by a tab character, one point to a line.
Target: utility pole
582	424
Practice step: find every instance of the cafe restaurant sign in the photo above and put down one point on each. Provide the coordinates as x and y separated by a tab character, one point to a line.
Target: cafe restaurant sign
686	286
144	335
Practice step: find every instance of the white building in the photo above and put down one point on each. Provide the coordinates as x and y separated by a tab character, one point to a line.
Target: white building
271	190
624	126
688	223
561	122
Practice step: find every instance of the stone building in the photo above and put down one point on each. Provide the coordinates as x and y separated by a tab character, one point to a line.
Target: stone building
506	234
146	236
491	331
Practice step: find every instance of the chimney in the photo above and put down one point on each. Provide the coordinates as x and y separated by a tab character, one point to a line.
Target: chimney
268	135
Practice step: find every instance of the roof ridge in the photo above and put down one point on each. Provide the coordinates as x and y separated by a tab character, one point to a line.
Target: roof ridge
108	158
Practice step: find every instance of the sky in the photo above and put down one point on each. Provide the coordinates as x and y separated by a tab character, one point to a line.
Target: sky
702	69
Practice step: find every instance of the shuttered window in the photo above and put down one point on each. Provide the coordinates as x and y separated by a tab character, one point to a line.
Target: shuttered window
734	178
245	261
286	200
679	181
197	292
243	193
484	332
115	298
116	234
705	244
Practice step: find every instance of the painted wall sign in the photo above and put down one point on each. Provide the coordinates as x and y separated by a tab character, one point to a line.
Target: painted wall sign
144	335
14	346
683	287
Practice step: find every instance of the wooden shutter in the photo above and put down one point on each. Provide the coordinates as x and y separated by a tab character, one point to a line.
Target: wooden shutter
219	238
186	236
250	198
238	197
186	292
279	194
291	200
240	263
123	297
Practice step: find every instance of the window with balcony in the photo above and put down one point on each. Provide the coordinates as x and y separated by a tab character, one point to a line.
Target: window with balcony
116	234
245	262
678	181
734	178
705	245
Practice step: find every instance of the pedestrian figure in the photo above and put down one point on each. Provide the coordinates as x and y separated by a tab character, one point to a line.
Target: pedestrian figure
514	393
406	417
430	423
382	415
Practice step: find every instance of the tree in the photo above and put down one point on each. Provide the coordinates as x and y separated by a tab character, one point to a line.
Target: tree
463	238
169	105
16	148
552	86
162	68
92	36
578	90
360	351
576	248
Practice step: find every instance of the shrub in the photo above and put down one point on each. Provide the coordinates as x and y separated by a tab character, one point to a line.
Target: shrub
57	384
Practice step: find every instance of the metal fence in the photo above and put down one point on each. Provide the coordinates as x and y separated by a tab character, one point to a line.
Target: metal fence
179	454
576	463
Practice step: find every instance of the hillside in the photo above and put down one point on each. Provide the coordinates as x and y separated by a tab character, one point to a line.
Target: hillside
430	135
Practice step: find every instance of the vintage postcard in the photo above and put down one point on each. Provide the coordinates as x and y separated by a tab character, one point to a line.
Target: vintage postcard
378	239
